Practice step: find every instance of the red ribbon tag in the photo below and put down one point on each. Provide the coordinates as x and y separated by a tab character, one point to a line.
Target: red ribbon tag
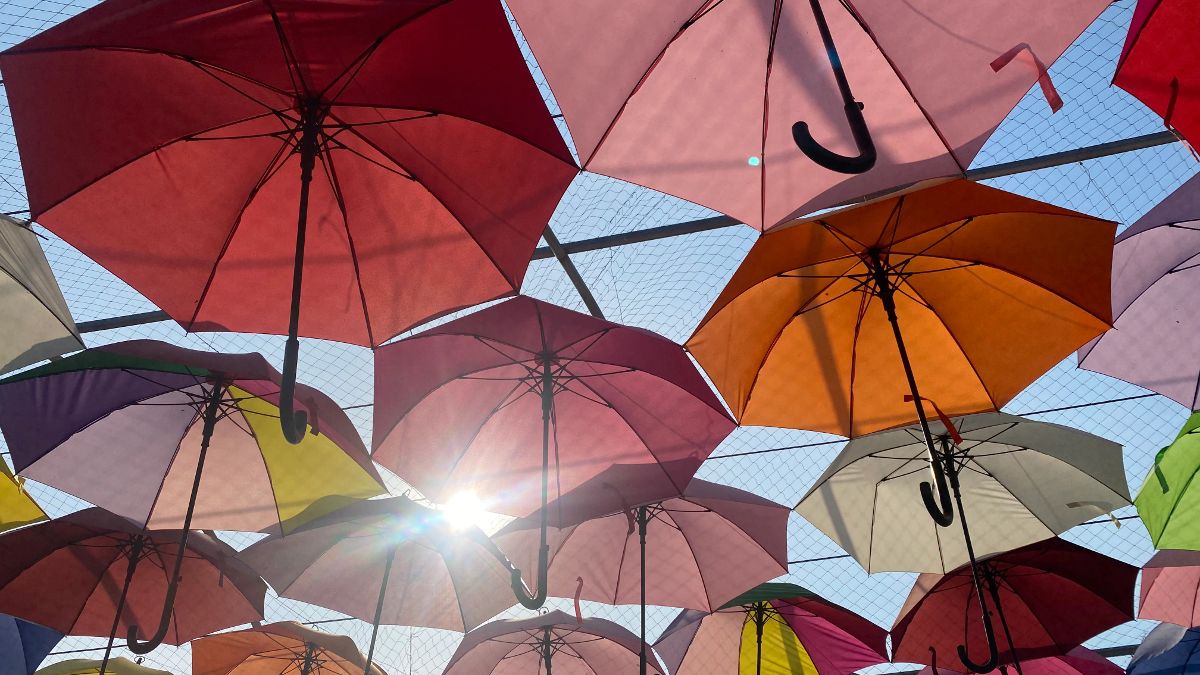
578	592
950	428
1048	90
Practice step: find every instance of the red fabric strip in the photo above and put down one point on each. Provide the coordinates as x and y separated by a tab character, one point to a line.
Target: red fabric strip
1048	90
954	435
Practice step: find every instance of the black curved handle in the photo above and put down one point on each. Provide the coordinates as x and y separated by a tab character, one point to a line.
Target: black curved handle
131	638
538	598
861	163
293	422
990	634
939	508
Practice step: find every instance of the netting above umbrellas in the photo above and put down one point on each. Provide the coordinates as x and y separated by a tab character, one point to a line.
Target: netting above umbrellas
399	153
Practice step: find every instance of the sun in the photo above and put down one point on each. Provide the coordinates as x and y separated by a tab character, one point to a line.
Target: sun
464	510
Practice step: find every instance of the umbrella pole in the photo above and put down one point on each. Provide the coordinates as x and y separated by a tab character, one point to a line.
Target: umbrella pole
387	573
536	600
136	544
547	648
940	510
210	422
643	516
292	421
988	631
310	657
994	589
760	620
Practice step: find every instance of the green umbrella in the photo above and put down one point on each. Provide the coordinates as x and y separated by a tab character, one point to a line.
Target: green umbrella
1170	509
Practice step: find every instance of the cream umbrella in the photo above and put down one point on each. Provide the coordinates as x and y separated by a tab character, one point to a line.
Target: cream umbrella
37	324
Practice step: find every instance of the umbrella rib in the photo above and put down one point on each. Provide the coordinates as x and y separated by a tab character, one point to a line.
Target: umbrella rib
338	145
100	578
864	303
478	430
961	349
289	57
336	185
196	415
766	111
957	227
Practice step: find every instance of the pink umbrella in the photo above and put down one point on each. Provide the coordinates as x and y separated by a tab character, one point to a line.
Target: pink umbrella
465	407
1171	588
555	640
696	550
1078	661
700	99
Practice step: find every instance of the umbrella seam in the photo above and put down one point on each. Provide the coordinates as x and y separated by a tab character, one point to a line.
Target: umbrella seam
72	329
335	184
1134	39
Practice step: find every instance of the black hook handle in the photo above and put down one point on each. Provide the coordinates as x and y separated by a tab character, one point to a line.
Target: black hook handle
538	598
131	638
993	655
939	508
293	422
866	157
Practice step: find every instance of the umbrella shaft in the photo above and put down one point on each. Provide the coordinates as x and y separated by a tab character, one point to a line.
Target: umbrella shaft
387	573
547	649
643	516
135	555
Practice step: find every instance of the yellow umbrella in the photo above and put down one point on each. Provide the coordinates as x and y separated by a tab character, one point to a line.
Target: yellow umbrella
117	666
17	508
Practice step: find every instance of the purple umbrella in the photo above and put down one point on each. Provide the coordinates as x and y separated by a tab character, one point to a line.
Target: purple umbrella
555	639
1155	339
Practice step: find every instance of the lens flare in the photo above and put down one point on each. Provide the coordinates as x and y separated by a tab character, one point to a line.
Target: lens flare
464	510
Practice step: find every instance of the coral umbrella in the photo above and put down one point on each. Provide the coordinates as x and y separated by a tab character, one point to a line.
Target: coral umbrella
1021	481
1170	588
773	629
23	645
830	324
1078	661
1153	342
1168	650
698	549
117	666
701	99
1158	67
37	323
1167	503
1049	597
333	170
284	647
128	427
554	641
92	573
467	406
388	561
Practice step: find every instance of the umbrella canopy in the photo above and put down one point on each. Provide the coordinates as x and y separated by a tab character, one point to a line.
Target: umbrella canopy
1168	650
69	574
17	508
1078	661
122	427
460	407
1021	481
800	631
23	645
702	547
1170	589
117	666
439	577
1050	597
329	170
1158	68
37	323
1154	341
1167	503
552	642
284	647
699	99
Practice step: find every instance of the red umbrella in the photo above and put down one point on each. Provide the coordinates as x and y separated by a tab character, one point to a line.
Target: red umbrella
80	574
467	406
1171	588
1049	597
1078	661
701	99
408	136
1159	66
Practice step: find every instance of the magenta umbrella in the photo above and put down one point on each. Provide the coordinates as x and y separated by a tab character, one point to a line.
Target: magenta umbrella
1171	588
696	550
709	100
1155	339
1078	661
554	640
466	406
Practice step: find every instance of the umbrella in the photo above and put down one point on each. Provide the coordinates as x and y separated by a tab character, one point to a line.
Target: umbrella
1170	588
1167	650
697	550
979	292
398	152
387	561
37	323
555	641
117	666
1021	481
284	647
773	629
1158	68
128	427
92	573
467	405
1078	661
17	508
1049	597
1167	504
700	99
23	645
1153	342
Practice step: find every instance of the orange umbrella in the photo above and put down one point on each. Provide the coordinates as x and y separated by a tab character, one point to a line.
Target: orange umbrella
285	647
830	324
